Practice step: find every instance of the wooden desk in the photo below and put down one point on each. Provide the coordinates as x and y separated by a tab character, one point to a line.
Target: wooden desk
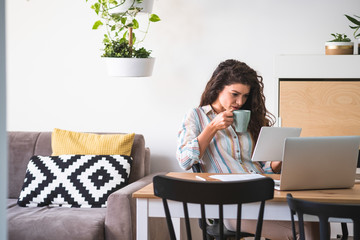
149	205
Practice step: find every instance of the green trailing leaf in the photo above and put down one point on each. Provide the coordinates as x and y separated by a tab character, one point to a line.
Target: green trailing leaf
139	1
134	38
96	8
133	11
97	24
135	24
106	39
123	20
141	53
117	48
116	17
154	18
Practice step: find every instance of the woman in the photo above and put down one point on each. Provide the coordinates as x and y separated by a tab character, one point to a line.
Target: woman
207	136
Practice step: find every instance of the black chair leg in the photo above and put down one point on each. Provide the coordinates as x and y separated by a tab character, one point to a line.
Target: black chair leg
345	232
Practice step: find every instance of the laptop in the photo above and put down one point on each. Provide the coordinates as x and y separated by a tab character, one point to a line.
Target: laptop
270	143
319	163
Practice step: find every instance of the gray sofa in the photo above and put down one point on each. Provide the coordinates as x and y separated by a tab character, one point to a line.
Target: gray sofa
117	221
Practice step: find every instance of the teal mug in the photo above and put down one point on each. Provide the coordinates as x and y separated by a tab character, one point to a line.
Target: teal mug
241	120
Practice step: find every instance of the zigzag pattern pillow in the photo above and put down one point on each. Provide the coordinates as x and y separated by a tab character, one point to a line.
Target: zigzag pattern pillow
83	181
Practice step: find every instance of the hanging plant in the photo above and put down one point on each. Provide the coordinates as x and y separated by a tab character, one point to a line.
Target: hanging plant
121	24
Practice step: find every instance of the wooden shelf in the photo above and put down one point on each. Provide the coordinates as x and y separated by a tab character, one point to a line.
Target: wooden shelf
319	93
317	66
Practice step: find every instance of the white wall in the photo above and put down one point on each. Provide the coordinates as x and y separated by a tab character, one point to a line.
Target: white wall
56	77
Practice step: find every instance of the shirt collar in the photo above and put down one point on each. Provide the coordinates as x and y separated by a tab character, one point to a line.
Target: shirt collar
207	109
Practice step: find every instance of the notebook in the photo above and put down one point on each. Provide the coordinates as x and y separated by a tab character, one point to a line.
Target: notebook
270	143
319	163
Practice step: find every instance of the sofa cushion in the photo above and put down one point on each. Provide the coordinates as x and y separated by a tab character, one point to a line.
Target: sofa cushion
69	142
73	180
55	223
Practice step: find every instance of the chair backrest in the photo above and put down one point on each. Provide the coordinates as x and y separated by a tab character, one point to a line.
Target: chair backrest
219	193
324	211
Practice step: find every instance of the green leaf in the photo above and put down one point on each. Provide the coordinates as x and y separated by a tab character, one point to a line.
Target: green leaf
353	20
97	24
135	24
96	7
123	20
139	1
154	18
113	27
106	38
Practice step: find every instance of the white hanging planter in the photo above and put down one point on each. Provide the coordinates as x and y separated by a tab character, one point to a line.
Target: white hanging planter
146	5
130	67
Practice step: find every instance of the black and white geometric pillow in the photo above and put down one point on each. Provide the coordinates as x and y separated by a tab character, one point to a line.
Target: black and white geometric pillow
83	181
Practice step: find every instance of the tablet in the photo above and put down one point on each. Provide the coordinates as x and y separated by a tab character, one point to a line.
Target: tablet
270	143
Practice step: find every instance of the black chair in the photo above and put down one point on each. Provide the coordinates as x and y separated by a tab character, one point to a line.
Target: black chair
213	231
219	193
324	211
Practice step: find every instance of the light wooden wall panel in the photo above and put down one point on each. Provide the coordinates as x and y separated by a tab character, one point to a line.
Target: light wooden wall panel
321	108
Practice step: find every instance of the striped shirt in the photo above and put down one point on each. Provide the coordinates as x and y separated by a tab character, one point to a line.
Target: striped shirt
228	151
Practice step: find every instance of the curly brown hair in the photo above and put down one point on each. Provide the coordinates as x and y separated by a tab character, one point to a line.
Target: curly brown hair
231	72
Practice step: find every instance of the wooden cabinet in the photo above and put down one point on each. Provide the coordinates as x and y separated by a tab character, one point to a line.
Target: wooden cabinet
320	94
320	107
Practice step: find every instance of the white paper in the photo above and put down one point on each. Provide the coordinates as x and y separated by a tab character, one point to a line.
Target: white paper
236	177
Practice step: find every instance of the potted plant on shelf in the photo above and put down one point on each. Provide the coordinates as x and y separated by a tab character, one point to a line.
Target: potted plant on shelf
121	21
356	28
340	45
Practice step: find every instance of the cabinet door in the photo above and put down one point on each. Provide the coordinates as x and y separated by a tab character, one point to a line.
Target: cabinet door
320	108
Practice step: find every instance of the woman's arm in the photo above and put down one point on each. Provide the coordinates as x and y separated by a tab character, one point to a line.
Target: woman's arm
221	121
192	143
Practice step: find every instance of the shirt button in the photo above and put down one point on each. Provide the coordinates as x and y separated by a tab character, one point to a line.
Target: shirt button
237	151
234	136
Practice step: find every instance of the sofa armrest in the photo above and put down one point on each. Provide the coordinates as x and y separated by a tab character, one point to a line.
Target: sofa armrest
120	221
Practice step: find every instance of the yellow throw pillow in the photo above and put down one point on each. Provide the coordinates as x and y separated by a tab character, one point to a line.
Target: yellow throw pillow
65	142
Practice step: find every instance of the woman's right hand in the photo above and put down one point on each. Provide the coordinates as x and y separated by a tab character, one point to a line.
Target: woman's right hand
222	120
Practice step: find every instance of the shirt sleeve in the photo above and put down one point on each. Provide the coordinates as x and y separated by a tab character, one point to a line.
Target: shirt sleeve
188	150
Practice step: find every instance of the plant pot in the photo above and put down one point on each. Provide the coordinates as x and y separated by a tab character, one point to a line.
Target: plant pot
357	46
130	67
339	48
146	5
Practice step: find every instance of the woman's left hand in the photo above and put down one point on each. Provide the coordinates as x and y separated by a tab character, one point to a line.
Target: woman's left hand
276	166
